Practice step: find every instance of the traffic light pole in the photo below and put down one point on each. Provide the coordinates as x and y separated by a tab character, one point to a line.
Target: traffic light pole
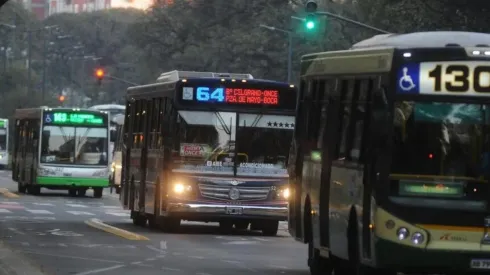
354	22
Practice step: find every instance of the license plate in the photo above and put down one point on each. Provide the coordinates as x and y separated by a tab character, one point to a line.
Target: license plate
480	263
234	210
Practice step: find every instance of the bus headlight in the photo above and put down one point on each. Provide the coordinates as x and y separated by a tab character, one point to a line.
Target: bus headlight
417	238
180	188
285	193
402	233
113	167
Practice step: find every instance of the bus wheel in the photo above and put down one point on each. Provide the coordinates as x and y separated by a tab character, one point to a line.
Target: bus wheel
241	225
270	228
118	190
98	192
170	225
318	265
34	190
72	192
82	192
21	188
138	219
225	226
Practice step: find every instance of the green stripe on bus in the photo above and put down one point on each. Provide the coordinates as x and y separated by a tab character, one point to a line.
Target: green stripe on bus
69	181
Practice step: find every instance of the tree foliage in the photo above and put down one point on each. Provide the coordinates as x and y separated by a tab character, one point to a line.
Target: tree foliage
200	35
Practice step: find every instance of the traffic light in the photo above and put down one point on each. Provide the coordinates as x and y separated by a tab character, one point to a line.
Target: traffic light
61	98
310	21
99	74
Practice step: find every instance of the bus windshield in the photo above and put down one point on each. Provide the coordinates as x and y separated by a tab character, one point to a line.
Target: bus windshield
206	142
3	139
265	140
441	139
74	145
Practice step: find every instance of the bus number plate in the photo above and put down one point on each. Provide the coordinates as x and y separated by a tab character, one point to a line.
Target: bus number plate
480	263
234	210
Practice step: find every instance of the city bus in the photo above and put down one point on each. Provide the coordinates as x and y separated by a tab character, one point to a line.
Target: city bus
117	123
389	164
4	143
210	147
61	149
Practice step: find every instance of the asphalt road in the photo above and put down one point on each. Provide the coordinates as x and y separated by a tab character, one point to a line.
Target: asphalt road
52	233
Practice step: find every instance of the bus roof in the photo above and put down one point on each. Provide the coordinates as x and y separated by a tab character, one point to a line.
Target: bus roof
105	107
36	112
118	119
436	39
174	76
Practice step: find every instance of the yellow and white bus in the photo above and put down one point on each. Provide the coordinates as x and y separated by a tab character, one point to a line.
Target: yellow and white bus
390	158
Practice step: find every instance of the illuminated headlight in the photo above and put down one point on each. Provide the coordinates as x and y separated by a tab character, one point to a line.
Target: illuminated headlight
417	238
284	193
113	167
180	188
402	233
1	156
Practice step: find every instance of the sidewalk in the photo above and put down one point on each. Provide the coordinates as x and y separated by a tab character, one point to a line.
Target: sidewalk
14	263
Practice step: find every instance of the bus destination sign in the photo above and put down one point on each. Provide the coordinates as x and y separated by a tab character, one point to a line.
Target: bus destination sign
2	123
78	118
239	94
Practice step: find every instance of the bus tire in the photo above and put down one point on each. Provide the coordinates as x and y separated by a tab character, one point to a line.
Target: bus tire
118	190
34	190
98	192
270	228
21	188
242	225
72	192
170	225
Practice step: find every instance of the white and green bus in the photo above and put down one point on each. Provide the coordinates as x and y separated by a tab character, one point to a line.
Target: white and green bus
4	143
61	149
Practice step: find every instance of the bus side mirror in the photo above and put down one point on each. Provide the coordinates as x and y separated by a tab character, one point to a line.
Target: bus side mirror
112	136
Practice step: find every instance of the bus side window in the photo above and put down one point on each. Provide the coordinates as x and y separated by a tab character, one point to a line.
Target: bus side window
345	116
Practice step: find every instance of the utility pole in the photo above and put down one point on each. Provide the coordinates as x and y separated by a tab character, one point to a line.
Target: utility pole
29	60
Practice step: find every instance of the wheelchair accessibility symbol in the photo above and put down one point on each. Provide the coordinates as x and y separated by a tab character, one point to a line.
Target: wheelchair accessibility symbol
406	82
48	119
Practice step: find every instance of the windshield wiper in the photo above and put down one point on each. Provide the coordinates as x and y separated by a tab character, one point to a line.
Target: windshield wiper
223	123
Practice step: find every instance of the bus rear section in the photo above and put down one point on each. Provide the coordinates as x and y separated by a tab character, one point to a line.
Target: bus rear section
61	149
216	151
394	175
4	143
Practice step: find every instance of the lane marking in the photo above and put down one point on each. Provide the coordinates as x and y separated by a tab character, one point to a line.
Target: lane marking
69	257
76	205
155	249
11	202
170	269
5	192
5	211
43	204
163	245
80	213
94	271
15	230
119	214
39	211
96	223
111	207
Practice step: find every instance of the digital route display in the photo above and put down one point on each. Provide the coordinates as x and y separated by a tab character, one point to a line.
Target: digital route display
2	123
74	118
248	94
414	188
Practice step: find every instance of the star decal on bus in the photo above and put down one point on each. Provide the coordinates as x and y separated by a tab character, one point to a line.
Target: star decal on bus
280	124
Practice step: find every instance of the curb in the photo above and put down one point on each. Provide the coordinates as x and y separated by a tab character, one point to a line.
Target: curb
8	194
96	223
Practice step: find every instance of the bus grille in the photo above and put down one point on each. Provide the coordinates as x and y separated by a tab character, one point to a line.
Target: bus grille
221	192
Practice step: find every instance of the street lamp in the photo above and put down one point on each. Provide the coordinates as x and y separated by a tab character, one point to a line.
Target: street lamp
290	46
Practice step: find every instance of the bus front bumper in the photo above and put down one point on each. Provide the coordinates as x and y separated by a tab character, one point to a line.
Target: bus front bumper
408	259
216	212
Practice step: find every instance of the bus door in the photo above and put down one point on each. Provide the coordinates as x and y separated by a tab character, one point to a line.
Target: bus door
143	158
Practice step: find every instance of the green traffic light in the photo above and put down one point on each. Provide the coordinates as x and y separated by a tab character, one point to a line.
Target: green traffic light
310	25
